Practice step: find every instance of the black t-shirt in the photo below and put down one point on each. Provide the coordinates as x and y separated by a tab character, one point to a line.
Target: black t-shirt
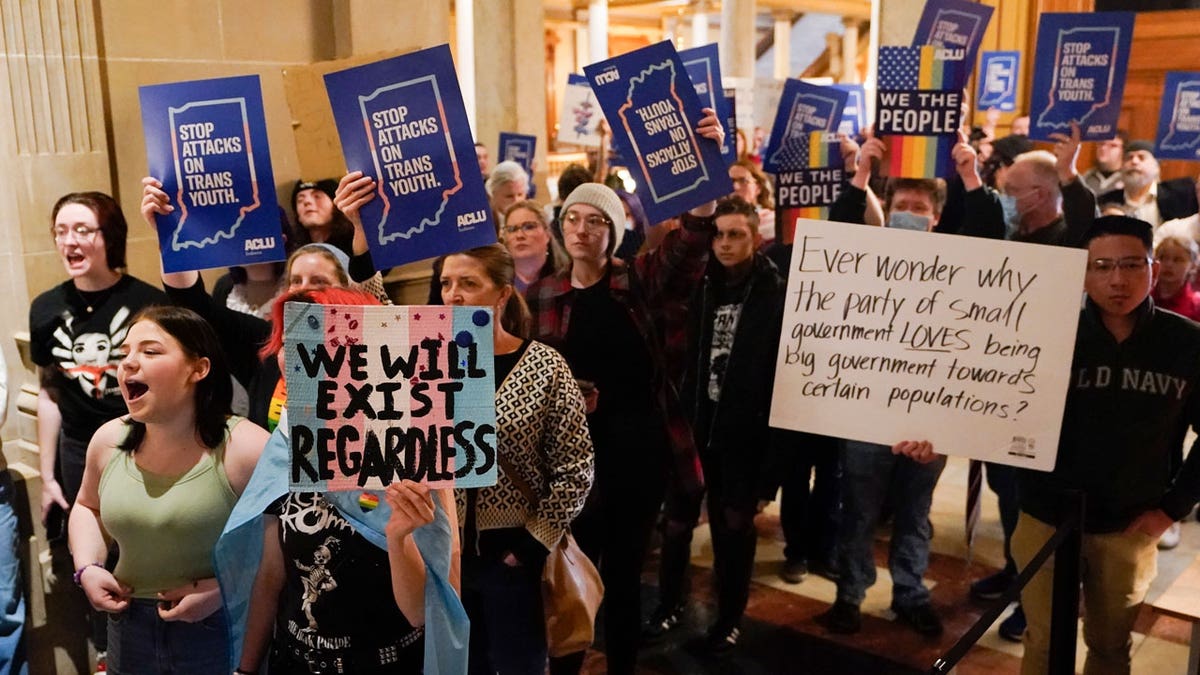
337	594
603	345
78	334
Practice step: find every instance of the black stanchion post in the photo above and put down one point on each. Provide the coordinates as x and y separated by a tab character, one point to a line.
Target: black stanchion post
1064	613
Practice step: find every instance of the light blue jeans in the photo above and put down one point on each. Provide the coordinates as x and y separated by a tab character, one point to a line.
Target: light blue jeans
12	595
871	476
141	643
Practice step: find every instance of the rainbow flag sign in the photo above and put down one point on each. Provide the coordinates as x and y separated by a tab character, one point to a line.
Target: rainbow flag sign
207	142
381	394
803	108
808	192
919	110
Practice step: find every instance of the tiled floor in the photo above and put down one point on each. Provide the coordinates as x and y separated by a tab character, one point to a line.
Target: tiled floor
780	635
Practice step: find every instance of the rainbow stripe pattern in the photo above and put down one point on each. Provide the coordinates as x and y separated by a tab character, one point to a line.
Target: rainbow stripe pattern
379	394
915	69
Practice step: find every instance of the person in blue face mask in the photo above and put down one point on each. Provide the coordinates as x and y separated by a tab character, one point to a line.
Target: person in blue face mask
872	475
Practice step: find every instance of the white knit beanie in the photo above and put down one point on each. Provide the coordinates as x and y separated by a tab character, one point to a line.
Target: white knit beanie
601	197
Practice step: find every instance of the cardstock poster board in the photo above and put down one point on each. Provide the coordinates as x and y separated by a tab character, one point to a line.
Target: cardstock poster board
803	109
893	335
653	111
519	148
809	192
206	141
402	122
957	26
703	66
581	113
1179	117
1079	71
382	393
854	115
999	73
918	110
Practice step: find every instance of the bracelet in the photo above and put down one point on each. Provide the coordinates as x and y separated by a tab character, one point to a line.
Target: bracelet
78	576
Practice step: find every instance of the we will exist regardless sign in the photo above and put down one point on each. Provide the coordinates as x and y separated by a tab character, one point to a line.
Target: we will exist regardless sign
893	335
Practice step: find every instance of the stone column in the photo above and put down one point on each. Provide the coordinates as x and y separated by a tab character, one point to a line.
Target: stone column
737	38
850	52
699	24
597	29
783	43
464	61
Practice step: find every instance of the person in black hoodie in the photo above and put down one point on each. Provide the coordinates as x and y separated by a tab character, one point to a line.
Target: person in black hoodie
732	339
1132	394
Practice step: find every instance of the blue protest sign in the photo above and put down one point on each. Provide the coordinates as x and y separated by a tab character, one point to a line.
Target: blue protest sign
998	74
854	115
402	122
653	111
1179	117
731	129
703	65
518	148
803	109
1079	73
207	142
957	26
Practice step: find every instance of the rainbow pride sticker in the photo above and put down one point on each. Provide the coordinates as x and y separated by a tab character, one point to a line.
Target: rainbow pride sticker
368	501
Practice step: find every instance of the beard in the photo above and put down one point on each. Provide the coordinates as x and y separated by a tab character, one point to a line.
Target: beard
1136	180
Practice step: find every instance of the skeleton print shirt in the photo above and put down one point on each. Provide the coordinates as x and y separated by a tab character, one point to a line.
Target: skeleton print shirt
78	335
338	593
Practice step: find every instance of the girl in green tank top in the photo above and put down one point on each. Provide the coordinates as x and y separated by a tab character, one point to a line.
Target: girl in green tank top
161	483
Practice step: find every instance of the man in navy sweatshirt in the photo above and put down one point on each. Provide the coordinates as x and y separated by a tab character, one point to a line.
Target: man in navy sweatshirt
1133	392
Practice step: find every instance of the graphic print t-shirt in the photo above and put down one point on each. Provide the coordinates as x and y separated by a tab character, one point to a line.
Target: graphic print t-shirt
83	347
338	591
725	319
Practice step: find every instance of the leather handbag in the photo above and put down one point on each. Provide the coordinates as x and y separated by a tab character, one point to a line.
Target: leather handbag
571	586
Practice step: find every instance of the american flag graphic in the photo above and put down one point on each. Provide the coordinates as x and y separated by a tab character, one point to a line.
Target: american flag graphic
912	69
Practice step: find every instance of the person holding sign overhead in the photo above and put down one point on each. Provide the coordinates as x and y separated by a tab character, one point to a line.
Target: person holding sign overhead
603	315
161	482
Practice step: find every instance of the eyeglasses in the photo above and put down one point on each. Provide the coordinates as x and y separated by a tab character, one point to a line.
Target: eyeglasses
522	227
1105	266
82	232
593	222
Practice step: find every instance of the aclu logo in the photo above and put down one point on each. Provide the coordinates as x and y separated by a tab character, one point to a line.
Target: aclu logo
610	74
259	244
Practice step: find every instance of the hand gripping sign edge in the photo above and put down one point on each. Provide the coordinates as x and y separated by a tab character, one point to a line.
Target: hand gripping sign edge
386	238
176	244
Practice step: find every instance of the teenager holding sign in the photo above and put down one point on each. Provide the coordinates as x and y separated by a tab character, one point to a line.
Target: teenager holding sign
604	316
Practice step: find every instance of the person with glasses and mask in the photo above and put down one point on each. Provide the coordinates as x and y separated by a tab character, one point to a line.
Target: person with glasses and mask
526	235
76	332
603	315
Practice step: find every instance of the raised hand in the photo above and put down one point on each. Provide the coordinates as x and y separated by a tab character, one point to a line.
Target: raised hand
412	508
1066	153
966	163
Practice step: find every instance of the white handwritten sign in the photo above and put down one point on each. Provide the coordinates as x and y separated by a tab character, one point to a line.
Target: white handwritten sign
894	335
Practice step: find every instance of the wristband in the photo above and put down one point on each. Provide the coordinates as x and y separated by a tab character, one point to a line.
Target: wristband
243	671
78	576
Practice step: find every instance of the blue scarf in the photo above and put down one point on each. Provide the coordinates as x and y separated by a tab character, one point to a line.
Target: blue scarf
239	550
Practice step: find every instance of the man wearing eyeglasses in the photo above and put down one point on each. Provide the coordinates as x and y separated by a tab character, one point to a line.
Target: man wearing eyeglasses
1132	395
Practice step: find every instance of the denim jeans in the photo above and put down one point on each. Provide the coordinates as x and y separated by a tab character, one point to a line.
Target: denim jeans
508	626
871	474
141	643
12	596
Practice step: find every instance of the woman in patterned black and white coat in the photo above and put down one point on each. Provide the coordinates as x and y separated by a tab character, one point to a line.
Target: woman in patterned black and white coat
542	434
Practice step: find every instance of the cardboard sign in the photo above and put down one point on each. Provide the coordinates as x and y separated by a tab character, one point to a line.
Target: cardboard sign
518	148
1179	117
803	109
703	65
381	394
957	27
1079	73
651	105
998	74
960	341
402	122
919	110
854	115
207	142
807	193
580	113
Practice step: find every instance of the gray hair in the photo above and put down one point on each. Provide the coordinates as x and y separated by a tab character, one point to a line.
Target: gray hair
505	172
